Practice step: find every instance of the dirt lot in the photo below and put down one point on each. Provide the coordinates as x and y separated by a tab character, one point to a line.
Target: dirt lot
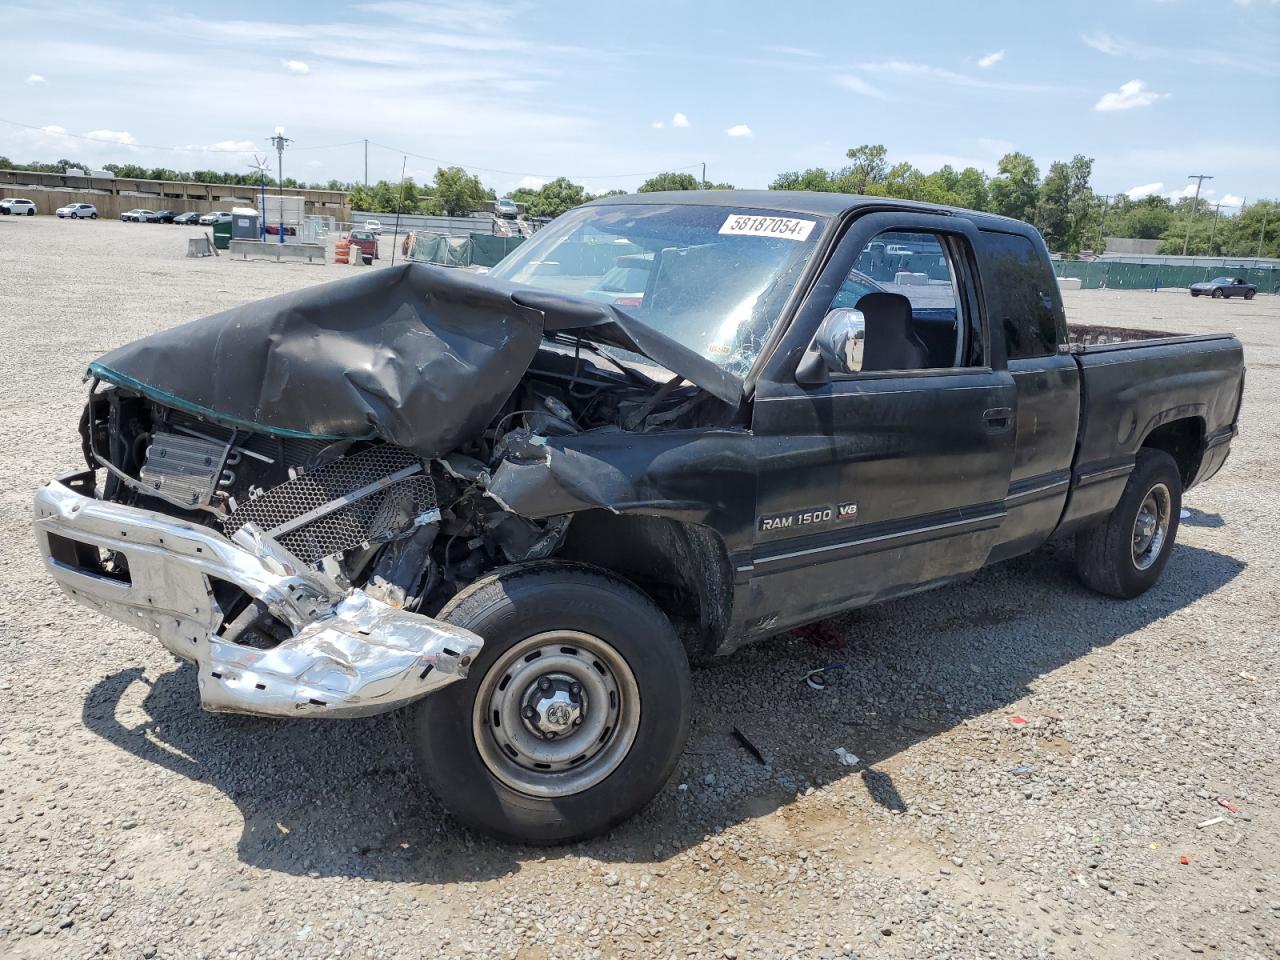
134	825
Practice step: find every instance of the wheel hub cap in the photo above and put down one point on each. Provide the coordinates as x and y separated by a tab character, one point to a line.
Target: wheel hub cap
1151	526
554	705
556	714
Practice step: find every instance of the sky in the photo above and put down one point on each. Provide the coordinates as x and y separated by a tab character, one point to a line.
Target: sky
608	93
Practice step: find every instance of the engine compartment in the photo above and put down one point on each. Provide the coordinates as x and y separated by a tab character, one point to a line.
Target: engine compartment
410	531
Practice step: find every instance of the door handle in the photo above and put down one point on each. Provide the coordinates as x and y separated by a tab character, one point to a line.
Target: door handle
998	419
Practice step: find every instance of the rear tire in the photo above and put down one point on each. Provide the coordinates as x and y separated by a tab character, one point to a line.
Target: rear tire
1250	294
31	213
1124	555
622	678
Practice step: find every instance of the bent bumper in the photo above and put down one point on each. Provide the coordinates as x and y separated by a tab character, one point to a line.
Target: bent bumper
349	654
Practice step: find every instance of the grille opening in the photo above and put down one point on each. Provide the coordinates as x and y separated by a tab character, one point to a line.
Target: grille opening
333	523
89	559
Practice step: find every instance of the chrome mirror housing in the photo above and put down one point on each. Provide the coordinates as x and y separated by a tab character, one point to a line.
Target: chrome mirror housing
840	339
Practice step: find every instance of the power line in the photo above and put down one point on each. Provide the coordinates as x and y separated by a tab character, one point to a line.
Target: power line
526	173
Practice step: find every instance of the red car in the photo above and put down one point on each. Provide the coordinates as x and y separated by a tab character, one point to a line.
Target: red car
366	241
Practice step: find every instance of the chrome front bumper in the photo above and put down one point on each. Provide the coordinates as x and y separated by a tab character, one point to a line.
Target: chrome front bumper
350	654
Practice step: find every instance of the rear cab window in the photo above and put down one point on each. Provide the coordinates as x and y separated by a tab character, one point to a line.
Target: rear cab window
1022	295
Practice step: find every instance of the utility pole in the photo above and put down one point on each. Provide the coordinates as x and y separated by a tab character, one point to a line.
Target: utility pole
1217	208
1262	235
1199	178
1102	227
260	164
704	175
366	162
279	141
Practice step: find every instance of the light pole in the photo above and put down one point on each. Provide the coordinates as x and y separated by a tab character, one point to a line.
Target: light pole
279	141
1199	178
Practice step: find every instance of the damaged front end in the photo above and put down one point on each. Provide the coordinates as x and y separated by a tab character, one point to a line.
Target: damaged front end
289	493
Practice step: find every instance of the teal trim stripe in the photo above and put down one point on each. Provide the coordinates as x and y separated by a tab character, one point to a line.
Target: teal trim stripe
169	400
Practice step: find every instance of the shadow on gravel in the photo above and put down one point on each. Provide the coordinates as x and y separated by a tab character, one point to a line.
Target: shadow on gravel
1198	518
339	798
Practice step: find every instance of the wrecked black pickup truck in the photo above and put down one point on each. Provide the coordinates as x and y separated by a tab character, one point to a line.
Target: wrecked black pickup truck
665	426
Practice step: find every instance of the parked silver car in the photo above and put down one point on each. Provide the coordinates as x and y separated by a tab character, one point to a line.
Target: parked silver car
220	217
136	215
78	211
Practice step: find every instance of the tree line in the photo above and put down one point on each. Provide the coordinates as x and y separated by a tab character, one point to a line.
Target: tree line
1061	203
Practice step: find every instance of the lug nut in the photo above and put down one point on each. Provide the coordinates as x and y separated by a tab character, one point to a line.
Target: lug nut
530	713
544	684
575	688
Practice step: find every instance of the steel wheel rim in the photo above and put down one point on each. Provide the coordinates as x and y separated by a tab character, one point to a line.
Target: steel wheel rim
1151	526
592	729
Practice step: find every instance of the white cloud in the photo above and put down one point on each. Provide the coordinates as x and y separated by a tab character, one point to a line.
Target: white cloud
1144	190
680	120
296	66
657	124
739	130
35	78
901	68
1103	43
860	86
1133	94
1231	200
54	130
991	59
1188	191
531	183
121	137
228	146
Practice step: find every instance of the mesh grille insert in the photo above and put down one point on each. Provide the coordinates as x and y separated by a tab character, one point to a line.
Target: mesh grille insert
378	516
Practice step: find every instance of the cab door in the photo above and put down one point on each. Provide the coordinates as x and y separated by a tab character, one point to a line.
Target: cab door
880	482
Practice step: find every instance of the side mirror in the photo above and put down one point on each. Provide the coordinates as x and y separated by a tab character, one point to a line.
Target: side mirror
836	347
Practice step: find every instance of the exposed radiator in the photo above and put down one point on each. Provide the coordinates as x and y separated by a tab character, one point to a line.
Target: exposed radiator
369	496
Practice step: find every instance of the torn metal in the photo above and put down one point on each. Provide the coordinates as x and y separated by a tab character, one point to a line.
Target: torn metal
341	652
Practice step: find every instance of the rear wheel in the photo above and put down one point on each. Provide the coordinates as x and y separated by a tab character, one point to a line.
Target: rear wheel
573	715
31	212
1249	294
1125	554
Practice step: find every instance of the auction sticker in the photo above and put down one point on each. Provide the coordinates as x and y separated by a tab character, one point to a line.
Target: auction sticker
749	225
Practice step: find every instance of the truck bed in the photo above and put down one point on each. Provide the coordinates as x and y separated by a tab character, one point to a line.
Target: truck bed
1133	383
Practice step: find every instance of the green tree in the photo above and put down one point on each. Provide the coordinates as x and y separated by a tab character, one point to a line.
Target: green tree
1065	205
670	181
1013	191
458	192
554	198
815	178
868	167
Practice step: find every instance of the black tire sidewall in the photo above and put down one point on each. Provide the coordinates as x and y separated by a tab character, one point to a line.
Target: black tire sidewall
521	606
1153	467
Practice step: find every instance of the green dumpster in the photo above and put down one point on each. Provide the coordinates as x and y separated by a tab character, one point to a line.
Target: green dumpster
222	235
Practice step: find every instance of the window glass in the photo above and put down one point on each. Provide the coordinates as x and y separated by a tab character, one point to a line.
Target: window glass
918	326
1019	289
712	278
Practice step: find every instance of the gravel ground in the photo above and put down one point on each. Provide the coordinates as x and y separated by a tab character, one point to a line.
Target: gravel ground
132	824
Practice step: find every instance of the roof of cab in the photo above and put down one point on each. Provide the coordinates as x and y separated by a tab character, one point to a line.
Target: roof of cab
793	201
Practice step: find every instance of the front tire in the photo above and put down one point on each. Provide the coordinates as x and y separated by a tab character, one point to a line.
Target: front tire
1124	555
1218	294
573	715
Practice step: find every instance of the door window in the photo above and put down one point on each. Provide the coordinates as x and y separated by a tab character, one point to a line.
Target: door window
1019	286
901	307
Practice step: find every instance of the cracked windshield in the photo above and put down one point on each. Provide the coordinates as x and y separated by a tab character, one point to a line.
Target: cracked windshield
712	278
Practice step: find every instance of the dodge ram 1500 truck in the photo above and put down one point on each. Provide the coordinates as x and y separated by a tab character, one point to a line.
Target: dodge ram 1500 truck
524	507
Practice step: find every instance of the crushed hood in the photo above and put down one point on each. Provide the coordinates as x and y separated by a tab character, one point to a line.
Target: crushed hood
419	356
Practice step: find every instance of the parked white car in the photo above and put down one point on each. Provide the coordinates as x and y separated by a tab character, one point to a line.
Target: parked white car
136	215
220	217
77	211
18	207
374	227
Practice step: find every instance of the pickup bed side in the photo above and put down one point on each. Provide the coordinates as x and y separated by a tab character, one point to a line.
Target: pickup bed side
1178	394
